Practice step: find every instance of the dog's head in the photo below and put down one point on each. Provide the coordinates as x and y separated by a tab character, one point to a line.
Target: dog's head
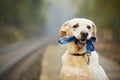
82	29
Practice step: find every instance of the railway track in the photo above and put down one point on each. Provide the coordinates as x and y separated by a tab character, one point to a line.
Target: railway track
17	58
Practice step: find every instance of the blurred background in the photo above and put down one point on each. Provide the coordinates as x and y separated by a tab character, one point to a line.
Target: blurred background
37	22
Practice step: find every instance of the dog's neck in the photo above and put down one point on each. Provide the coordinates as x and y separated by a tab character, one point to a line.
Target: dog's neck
76	56
76	48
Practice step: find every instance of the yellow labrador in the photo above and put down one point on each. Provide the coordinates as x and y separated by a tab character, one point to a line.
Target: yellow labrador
74	62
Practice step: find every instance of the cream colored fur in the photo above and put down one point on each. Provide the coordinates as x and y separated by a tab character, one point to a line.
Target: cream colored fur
76	67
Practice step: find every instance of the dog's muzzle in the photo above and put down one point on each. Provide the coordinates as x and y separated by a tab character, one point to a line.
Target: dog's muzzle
84	36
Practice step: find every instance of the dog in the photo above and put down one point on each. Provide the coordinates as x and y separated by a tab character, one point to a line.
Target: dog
74	60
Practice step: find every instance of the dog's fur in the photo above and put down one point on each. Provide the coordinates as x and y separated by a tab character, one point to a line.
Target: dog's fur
76	67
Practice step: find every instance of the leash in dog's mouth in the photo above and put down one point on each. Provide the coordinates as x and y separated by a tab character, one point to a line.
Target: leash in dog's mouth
69	39
82	41
89	43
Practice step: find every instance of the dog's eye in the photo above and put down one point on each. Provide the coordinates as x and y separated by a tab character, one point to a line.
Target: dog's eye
75	26
89	27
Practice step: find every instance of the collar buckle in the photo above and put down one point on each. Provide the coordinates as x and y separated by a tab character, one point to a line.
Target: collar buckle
88	59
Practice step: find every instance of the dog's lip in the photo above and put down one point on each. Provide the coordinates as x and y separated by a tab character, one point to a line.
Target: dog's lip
83	40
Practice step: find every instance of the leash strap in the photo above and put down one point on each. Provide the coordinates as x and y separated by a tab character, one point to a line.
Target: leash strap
66	40
89	45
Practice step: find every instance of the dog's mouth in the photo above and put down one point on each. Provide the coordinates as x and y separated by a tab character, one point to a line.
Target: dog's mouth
82	41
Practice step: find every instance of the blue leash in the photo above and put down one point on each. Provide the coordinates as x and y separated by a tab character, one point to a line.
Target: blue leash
89	45
67	40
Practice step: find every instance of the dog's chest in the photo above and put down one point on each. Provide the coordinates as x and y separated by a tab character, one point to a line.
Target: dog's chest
78	72
77	66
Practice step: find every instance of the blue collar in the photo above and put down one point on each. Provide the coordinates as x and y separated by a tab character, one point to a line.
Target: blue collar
89	45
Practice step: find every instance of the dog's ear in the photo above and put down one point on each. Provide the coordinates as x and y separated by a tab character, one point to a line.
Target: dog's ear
63	29
94	31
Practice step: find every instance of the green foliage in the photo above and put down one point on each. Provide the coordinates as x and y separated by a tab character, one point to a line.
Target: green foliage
20	19
20	11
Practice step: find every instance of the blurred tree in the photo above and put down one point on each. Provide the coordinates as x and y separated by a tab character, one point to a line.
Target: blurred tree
24	17
109	14
19	11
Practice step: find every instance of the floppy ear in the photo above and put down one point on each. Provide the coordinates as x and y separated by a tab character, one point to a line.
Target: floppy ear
63	29
94	31
62	34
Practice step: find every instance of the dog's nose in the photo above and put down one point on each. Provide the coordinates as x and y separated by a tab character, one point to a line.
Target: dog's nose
84	34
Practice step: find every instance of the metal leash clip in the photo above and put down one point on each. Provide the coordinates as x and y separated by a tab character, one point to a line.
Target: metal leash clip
88	60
